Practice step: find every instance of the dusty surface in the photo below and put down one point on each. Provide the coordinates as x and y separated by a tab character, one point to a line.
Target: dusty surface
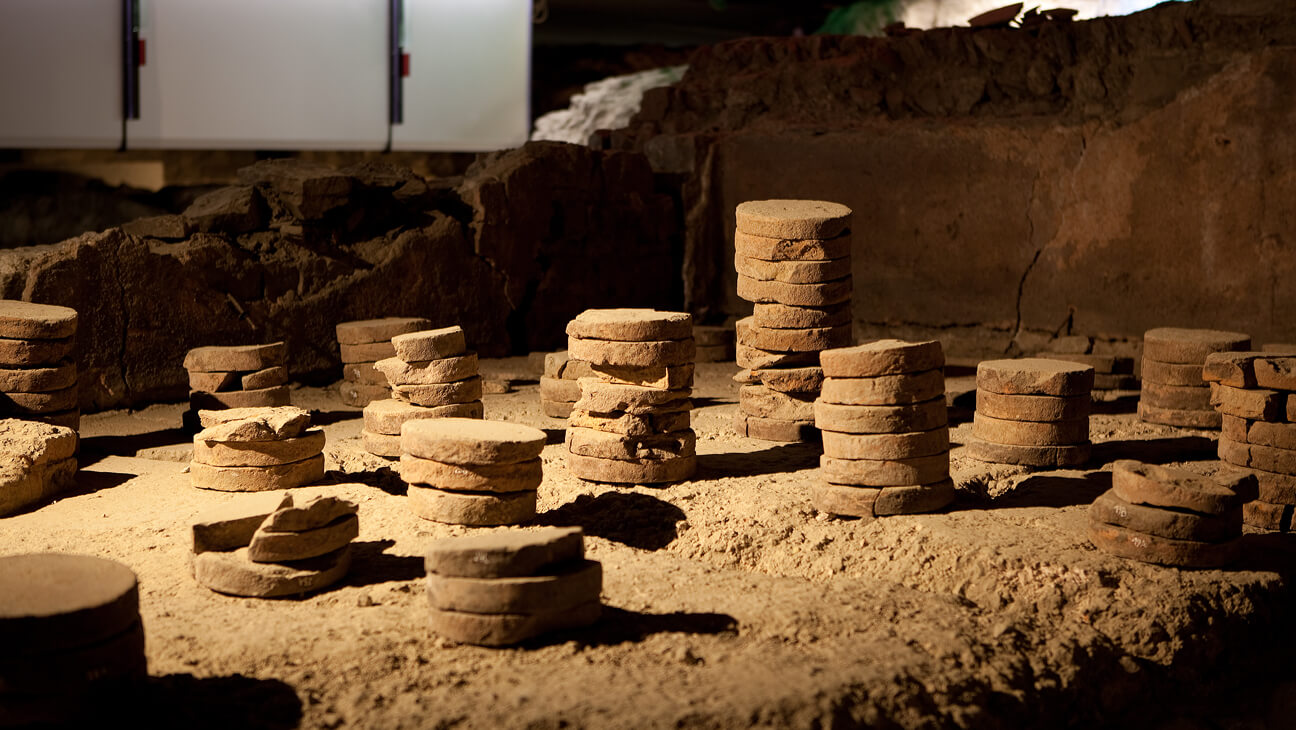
730	602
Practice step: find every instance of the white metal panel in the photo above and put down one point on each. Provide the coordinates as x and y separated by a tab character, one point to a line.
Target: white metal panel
263	74
60	73
469	82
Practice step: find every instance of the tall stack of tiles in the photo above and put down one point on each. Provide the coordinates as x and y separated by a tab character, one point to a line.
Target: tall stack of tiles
38	380
238	376
1169	516
505	587
559	386
465	471
1255	395
432	375
885	430
632	424
363	343
71	630
793	262
1174	393
256	450
1032	412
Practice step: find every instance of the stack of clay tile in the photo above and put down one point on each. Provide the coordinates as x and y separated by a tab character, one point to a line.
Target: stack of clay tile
37	461
560	386
505	587
71	631
466	471
1169	516
256	450
885	430
38	380
432	375
1174	393
793	261
238	376
266	547
1255	395
714	344
363	343
1033	412
632	424
1111	372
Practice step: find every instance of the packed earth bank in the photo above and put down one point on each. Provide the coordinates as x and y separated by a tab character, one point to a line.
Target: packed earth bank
729	601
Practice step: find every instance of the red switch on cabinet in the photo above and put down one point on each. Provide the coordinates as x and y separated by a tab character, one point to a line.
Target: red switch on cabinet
139	51
405	65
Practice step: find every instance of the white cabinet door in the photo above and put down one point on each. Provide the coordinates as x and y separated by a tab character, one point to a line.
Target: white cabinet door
263	74
469	76
61	73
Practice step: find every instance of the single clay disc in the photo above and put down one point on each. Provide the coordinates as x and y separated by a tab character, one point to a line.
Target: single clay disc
471	441
1173	373
782	316
30	353
266	378
885	472
631	325
756	359
563	391
792	340
1037	408
253	424
1255	456
663	377
884	390
428	372
1277	435
922	416
364	331
793	272
798	219
386	416
257	478
381	444
308	513
1039	456
1270	487
234	574
644	471
907	445
266	397
600	397
775	248
259	453
235	358
38	379
505	553
1255	404
836	499
808	380
772	429
604	445
762	402
1269	516
1127	543
368	352
556	409
1111	509
798	295
283	547
572	584
1178	397
53	601
442	394
1034	376
517	477
869	502
631	424
1030	433
1172	344
1277	373
32	321
1174	417
430	344
1164	486
503	629
882	357
1226	368
363	373
476	509
632	354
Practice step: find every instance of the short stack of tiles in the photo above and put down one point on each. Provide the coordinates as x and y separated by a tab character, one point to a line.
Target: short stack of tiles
37	461
432	375
1255	395
268	547
632	424
505	587
466	471
793	261
363	343
1169	516
238	376
1032	412
1111	372
559	387
38	380
256	450
1174	393
885	430
71	629
714	343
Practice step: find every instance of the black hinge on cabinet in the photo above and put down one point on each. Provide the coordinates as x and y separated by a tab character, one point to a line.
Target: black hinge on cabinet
130	59
396	61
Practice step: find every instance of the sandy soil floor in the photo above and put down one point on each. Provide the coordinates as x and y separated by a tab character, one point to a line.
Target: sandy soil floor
730	601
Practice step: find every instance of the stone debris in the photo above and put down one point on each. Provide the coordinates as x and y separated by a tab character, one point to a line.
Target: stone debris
1254	396
1171	395
430	374
631	422
236	376
1032	412
884	424
1169	516
363	343
793	262
505	587
71	627
257	450
271	547
38	379
466	471
37	462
